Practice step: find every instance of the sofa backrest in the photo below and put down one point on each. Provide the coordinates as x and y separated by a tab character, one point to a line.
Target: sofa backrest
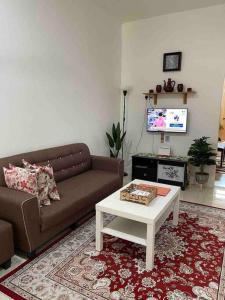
67	161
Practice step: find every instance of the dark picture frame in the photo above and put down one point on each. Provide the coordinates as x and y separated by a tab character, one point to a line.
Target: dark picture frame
172	61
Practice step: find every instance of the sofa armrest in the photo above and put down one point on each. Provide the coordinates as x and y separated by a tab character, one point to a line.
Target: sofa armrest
22	211
109	164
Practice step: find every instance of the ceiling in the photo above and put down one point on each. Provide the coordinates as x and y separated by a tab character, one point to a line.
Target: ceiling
131	10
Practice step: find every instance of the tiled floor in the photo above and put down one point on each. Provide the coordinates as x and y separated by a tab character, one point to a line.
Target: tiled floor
16	261
4	297
208	196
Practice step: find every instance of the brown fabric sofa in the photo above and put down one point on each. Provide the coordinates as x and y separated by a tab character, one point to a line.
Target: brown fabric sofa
6	244
82	181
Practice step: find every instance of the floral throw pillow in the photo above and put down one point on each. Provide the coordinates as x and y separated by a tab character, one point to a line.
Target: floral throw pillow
42	183
21	179
26	180
47	172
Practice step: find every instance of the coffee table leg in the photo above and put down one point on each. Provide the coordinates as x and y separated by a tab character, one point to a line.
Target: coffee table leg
99	234
150	246
176	211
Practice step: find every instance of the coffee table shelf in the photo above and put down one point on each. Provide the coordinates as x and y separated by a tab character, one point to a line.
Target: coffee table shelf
126	229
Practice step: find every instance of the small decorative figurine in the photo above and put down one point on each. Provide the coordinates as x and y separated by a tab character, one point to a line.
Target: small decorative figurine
158	88
180	87
169	85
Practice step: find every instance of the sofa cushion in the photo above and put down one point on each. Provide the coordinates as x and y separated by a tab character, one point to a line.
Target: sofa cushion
44	172
30	181
83	190
21	179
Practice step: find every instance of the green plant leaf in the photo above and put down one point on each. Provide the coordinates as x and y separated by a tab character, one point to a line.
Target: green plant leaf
201	152
118	131
111	153
118	127
110	139
114	133
118	144
115	140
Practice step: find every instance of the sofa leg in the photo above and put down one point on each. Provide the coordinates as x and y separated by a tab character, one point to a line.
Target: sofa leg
6	264
74	226
31	254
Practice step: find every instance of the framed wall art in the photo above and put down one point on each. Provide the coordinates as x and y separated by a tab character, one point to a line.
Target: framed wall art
172	61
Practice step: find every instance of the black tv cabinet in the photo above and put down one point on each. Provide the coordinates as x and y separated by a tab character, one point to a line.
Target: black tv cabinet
168	170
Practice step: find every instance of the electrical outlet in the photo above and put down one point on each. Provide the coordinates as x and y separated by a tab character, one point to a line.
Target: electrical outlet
167	138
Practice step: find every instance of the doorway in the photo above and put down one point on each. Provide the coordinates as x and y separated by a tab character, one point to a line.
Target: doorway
222	117
220	159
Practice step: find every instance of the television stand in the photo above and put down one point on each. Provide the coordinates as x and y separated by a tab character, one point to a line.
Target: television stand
163	169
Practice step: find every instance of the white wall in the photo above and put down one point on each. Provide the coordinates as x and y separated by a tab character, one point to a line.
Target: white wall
60	71
200	35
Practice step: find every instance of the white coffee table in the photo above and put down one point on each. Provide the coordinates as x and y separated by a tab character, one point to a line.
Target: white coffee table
136	222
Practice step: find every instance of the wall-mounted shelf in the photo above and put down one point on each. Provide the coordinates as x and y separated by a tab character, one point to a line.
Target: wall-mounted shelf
183	94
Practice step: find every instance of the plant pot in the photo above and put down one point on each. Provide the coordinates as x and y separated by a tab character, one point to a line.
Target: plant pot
201	178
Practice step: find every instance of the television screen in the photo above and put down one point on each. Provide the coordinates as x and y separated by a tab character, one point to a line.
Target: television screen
167	119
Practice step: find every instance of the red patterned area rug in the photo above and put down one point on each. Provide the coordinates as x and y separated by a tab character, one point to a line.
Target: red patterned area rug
188	264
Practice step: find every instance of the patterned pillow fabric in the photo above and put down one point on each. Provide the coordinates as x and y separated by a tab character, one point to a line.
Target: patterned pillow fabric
42	183
28	181
21	179
42	190
46	171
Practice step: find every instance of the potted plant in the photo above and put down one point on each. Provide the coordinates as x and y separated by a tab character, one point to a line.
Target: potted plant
115	140
201	154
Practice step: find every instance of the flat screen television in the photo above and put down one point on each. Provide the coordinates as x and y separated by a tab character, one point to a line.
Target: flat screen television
167	120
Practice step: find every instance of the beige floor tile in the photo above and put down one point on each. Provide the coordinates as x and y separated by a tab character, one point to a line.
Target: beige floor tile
4	297
16	261
214	197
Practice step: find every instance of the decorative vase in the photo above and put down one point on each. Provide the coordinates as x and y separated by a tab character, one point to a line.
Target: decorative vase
180	87
169	85
158	88
201	178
